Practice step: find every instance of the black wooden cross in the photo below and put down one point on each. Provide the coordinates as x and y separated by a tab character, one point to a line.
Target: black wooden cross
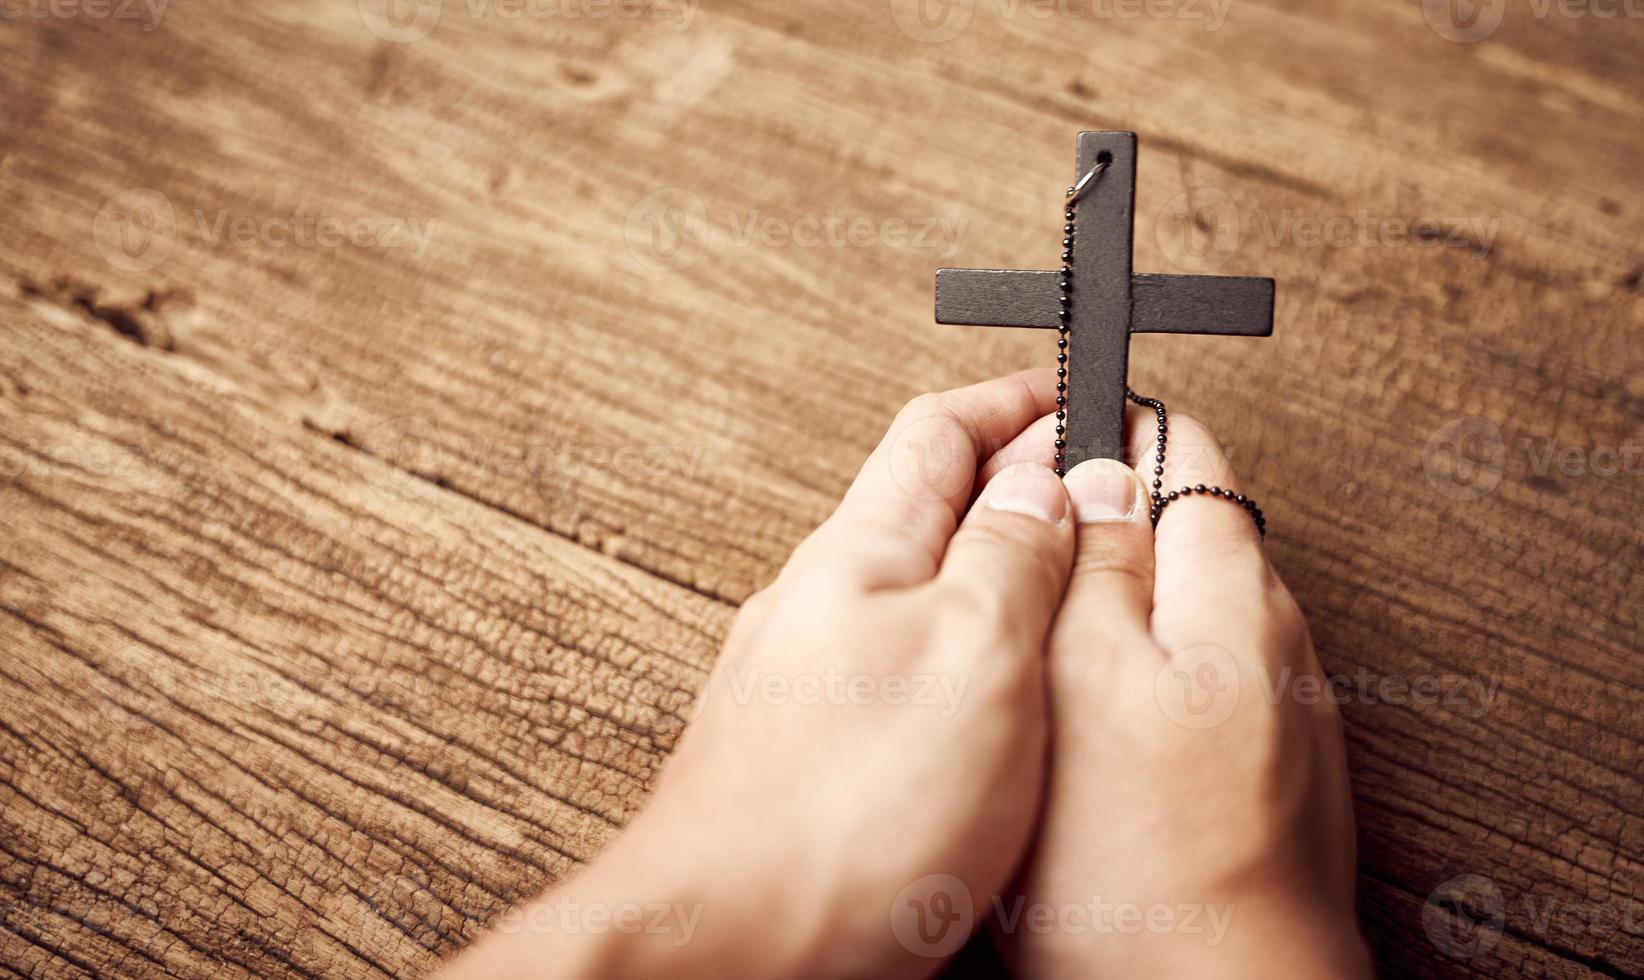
1108	302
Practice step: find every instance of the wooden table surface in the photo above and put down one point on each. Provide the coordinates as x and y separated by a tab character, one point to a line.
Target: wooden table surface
394	410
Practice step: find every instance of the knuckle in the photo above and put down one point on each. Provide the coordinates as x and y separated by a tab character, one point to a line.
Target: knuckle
816	545
1188	426
758	605
814	601
1113	563
1233	546
1282	609
937	416
1010	534
1020	547
930	450
974	609
973	600
1196	455
1229	546
931	404
878	551
749	623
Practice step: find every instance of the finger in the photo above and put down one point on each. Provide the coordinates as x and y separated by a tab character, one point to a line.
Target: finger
895	521
1211	569
1037	443
1110	594
1009	560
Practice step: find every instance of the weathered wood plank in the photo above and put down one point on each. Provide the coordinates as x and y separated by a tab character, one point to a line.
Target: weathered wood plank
1446	941
269	714
629	365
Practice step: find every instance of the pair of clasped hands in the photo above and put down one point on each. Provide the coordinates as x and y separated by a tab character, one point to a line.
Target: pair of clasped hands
980	697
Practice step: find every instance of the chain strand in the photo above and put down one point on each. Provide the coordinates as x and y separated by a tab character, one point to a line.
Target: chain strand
1161	500
1065	286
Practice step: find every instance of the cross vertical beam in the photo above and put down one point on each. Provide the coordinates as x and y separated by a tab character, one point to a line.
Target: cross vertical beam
1099	342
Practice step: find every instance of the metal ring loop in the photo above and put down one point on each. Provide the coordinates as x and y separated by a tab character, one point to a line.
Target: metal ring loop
1078	190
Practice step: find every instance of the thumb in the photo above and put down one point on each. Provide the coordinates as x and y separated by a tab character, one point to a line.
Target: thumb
1110	596
1014	549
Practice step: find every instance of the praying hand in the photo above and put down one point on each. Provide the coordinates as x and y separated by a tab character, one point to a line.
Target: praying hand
982	699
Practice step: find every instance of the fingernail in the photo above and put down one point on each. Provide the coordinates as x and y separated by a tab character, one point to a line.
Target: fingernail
1103	490
1027	489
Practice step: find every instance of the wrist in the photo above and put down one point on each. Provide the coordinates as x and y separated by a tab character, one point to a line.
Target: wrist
703	918
1264	938
760	906
645	908
1252	937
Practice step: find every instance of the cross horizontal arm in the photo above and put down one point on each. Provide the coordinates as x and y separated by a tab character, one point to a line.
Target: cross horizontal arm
1201	304
997	298
1159	304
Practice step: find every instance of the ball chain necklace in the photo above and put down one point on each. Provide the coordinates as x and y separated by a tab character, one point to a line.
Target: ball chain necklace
1161	500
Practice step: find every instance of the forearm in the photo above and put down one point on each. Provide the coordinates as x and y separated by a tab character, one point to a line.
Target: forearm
645	908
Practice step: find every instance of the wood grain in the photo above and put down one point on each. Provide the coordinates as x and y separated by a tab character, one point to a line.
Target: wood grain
632	349
271	709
